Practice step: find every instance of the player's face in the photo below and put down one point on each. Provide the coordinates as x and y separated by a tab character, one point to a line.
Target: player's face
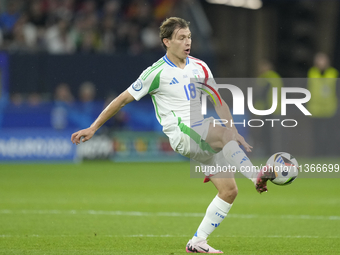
180	43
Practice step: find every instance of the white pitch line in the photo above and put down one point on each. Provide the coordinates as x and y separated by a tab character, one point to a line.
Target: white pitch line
179	236
233	236
169	214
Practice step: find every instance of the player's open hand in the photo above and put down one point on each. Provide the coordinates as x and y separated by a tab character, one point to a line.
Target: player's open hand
240	139
83	135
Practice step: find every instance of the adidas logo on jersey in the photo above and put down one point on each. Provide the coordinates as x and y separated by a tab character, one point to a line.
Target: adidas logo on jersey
174	81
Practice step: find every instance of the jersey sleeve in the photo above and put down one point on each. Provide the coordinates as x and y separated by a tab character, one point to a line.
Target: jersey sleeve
209	83
140	87
212	83
208	76
147	82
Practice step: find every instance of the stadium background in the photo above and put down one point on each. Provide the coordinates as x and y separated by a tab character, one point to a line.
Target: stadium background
52	49
62	61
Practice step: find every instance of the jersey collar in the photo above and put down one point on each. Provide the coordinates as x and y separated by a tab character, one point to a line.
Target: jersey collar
165	58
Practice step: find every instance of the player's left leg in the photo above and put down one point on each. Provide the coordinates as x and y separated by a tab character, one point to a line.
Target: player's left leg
215	214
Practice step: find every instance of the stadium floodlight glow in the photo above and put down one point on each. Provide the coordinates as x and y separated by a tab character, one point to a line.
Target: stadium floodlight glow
238	3
250	4
254	4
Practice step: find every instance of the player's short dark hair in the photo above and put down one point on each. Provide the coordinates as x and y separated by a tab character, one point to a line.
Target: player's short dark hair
168	27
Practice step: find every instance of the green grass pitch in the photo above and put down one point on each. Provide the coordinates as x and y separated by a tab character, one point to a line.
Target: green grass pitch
155	208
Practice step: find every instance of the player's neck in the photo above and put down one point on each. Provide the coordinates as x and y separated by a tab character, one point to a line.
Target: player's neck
177	61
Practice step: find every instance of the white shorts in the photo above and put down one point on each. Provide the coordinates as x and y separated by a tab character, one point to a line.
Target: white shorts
192	145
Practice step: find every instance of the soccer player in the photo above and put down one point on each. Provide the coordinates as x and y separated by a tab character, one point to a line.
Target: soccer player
174	97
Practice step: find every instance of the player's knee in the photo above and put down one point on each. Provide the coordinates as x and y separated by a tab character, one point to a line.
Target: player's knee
234	192
227	136
228	194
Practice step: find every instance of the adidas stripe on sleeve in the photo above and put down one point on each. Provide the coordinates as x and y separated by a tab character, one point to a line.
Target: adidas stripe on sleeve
144	84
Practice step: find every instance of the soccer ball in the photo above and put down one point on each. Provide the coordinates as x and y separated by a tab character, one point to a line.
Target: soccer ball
285	168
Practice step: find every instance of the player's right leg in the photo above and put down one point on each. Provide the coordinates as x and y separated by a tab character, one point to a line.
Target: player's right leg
222	138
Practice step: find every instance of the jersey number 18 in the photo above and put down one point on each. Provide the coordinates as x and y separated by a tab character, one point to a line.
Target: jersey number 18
190	91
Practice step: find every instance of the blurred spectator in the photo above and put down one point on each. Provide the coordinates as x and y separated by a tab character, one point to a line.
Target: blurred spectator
66	9
63	102
34	100
164	8
268	79
87	92
66	26
37	15
134	40
58	38
112	9
63	94
109	19
86	112
17	99
84	33
9	18
140	12
88	7
322	82
3	105
90	21
108	36
150	37
322	85
89	43
122	41
25	35
57	9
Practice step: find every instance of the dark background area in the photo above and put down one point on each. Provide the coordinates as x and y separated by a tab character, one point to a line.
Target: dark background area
288	33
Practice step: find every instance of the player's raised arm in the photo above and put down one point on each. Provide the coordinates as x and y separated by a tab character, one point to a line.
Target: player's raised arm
123	99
